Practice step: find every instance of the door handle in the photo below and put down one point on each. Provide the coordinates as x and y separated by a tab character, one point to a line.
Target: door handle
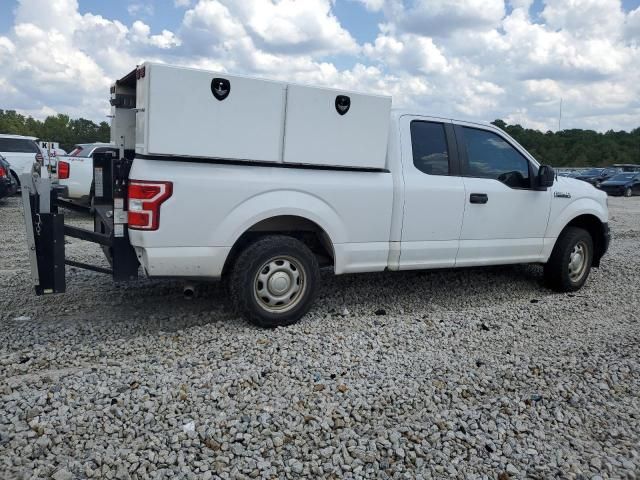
478	198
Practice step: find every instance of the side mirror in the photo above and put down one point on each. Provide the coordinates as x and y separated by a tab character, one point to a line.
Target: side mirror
546	177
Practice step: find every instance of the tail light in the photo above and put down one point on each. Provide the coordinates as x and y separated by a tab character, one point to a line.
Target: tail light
39	158
3	172
63	170
145	199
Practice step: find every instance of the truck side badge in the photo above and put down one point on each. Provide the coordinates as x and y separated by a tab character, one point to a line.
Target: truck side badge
220	87
342	104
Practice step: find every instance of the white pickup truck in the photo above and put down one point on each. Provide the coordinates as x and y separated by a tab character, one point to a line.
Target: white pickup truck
262	183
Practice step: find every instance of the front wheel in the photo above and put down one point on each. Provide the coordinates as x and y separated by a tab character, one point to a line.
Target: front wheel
570	262
274	281
628	192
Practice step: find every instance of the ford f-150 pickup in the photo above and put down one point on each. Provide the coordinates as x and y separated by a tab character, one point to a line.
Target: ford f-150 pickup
262	183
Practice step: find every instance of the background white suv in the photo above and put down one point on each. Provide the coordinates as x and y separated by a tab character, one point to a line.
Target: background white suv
20	152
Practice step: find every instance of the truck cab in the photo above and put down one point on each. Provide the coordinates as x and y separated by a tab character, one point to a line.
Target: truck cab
491	206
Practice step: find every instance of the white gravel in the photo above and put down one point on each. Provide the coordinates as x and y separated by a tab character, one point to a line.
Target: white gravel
469	374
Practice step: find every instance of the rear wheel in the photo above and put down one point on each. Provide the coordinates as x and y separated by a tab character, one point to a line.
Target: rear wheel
628	192
570	263
273	282
17	180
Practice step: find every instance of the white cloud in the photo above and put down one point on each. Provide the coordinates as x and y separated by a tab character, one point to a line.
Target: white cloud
137	9
443	17
409	52
585	18
284	26
372	5
482	59
56	59
141	32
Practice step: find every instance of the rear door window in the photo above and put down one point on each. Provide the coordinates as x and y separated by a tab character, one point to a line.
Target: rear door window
18	145
430	150
80	151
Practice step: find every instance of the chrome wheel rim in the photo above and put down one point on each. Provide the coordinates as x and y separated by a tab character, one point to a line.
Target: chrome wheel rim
627	192
279	284
578	261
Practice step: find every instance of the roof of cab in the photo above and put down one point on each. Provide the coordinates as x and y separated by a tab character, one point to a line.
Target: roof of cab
400	112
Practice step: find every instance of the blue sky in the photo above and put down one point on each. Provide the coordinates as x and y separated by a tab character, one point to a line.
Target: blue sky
476	59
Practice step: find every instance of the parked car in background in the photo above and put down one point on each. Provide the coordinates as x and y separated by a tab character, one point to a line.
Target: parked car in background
8	184
75	171
595	176
626	183
20	152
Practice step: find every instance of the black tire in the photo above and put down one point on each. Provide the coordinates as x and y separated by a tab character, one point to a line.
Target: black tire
628	192
256	271
17	180
557	271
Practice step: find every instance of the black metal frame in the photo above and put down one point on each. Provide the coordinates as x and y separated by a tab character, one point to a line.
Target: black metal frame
109	210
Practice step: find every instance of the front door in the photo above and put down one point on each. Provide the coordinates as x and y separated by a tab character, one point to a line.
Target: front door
433	193
504	217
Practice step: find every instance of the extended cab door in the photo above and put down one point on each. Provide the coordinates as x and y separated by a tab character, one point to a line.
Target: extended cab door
433	194
504	218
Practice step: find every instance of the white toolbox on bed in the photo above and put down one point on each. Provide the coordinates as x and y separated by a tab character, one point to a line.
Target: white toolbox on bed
186	112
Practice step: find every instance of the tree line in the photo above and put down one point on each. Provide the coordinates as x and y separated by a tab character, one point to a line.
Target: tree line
566	148
576	147
59	128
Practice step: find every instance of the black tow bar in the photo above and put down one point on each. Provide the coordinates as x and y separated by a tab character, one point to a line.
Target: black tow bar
46	230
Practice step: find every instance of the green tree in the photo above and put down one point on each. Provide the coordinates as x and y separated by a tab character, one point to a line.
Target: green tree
55	128
576	147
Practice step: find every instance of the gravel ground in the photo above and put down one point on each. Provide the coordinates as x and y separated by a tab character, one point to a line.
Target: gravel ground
468	374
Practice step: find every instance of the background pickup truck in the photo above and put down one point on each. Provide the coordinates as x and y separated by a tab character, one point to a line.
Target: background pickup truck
362	190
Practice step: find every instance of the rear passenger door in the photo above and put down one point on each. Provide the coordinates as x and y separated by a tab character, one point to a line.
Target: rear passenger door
505	218
433	194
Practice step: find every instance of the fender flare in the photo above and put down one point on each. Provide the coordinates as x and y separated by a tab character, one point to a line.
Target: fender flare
582	206
270	204
587	209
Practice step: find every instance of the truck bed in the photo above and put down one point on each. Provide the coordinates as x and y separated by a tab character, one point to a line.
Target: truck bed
214	203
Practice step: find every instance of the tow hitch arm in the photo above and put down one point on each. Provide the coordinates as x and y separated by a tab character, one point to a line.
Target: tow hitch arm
46	229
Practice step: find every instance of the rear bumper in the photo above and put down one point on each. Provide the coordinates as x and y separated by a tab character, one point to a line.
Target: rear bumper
193	262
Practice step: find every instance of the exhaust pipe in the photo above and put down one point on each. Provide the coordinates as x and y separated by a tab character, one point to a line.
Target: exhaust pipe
189	291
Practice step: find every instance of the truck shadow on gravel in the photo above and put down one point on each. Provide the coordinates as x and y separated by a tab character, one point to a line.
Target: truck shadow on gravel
94	309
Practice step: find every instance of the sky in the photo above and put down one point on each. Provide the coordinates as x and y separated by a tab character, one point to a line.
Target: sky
465	59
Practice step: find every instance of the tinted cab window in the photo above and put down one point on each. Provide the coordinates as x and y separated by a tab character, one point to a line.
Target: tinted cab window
490	156
429	144
18	145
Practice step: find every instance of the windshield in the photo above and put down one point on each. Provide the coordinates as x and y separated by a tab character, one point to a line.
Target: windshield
593	171
18	145
623	177
80	151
